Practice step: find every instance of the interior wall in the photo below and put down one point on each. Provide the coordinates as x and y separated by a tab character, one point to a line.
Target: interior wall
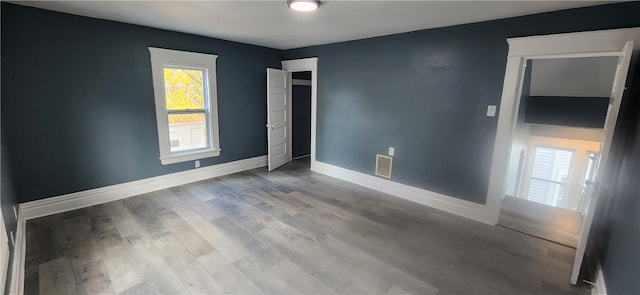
78	104
589	112
426	94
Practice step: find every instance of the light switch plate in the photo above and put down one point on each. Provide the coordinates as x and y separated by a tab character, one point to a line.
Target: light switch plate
197	163
491	111
392	151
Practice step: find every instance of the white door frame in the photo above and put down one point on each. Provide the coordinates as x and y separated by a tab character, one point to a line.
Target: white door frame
304	65
584	44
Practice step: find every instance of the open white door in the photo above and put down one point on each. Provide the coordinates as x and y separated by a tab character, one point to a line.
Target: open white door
609	126
278	101
4	253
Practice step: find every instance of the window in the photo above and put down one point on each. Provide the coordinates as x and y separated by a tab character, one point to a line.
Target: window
184	85
549	176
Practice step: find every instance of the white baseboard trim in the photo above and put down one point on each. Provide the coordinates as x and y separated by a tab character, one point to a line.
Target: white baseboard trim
446	203
599	287
82	199
19	252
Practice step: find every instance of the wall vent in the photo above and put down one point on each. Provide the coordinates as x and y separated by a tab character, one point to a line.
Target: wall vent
383	165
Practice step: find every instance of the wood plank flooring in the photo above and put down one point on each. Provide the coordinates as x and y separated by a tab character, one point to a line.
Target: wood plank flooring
290	231
555	224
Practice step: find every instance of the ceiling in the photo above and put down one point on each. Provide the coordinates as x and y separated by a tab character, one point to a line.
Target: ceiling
273	24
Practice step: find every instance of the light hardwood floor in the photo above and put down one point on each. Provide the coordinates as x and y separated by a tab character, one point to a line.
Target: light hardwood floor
555	224
290	231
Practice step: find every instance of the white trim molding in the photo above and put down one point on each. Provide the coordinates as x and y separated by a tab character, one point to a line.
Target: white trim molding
439	201
82	199
303	65
19	254
205	63
599	287
593	43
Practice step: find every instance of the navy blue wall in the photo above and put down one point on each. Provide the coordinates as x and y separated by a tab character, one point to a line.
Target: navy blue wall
426	94
78	105
588	112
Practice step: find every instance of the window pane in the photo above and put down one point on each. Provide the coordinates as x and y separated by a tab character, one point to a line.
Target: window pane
551	164
549	176
187	132
545	192
184	88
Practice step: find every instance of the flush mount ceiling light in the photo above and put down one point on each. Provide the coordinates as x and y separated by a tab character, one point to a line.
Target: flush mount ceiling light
303	5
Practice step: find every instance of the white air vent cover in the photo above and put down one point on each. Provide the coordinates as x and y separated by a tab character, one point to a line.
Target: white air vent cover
383	165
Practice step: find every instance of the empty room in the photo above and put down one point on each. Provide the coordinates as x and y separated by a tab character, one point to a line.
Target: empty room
320	147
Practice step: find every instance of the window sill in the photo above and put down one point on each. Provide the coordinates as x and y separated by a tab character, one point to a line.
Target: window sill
172	159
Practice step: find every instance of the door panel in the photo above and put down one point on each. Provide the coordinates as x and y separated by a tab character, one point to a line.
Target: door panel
278	102
609	126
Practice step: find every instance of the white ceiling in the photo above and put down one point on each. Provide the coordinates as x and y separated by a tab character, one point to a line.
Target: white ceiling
273	24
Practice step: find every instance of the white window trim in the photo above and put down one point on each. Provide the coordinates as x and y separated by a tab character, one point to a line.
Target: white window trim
165	57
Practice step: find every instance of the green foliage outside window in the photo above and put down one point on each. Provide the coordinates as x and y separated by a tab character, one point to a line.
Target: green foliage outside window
184	90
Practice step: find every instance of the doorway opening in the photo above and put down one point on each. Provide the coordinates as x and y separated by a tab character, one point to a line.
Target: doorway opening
613	44
557	138
301	117
289	120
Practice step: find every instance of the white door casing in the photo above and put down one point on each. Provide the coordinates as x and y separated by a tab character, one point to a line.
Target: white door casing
278	117
301	65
